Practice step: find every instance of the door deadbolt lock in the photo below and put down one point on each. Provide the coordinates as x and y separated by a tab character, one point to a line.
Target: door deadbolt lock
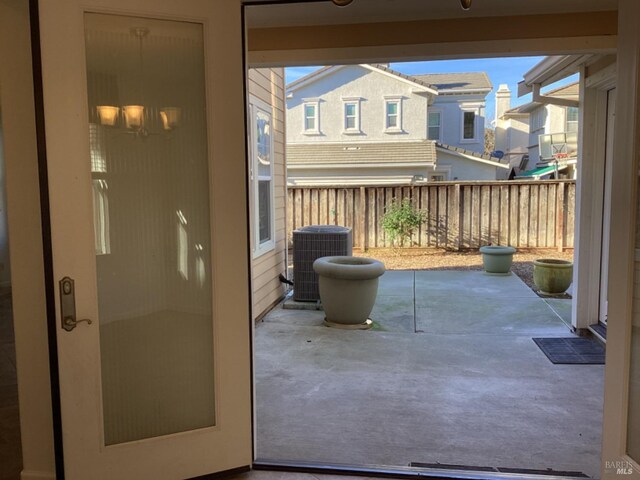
68	305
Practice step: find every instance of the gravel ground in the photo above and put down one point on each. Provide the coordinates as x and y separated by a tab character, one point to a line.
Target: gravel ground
434	259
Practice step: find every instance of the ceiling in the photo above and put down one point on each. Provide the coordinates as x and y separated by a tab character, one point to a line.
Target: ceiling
370	11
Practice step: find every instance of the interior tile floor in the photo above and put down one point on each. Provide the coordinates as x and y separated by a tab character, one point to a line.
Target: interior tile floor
449	374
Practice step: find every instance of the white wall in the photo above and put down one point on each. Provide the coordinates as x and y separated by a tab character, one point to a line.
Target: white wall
357	81
553	120
451	118
461	169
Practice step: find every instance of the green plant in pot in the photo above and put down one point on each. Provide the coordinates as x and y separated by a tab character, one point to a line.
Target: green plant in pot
400	221
552	276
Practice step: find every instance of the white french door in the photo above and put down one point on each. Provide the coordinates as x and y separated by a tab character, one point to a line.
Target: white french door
145	145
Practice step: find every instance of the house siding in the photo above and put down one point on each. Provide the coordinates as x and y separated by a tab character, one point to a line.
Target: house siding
267	85
459	168
452	107
371	87
553	121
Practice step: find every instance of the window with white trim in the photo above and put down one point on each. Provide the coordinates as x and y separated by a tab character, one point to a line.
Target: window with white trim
351	116
469	125
310	110
434	124
393	114
572	119
262	177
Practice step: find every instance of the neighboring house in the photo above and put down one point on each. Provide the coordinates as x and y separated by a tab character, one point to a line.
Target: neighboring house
268	189
552	133
368	124
511	132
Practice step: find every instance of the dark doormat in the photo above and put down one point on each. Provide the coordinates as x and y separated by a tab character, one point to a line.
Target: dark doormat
572	351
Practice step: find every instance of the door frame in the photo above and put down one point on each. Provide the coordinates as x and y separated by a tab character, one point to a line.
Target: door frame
47	243
623	230
628	143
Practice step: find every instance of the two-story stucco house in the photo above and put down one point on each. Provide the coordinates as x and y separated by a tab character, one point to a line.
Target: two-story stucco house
535	135
511	131
368	124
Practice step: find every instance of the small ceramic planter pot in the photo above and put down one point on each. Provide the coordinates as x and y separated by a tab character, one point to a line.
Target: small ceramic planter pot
497	260
348	289
551	276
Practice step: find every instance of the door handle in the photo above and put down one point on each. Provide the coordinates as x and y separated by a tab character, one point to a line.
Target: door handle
68	305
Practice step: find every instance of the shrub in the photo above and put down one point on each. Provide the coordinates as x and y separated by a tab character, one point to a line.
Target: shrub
401	220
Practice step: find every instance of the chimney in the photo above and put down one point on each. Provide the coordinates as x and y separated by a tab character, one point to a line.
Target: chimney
503	100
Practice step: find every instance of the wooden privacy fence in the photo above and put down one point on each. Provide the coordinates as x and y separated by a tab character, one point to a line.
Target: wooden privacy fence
459	215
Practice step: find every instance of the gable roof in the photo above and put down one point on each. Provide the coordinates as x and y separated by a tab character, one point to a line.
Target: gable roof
457	81
570	92
566	91
383	69
520	110
361	153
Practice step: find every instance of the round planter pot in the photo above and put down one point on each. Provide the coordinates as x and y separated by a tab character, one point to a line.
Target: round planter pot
497	260
348	289
551	276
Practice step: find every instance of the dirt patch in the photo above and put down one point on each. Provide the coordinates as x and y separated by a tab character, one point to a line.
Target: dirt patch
435	259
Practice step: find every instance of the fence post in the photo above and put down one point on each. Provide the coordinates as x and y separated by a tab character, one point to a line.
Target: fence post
362	220
455	218
560	220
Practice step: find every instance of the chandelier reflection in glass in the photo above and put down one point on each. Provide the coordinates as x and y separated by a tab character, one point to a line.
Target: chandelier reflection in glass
133	116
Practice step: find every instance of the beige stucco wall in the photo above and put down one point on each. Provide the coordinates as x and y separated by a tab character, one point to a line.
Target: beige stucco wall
268	86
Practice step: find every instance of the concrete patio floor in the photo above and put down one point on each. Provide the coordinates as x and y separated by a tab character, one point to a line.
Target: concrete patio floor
449	375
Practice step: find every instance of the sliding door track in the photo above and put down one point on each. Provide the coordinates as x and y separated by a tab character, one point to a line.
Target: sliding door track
418	470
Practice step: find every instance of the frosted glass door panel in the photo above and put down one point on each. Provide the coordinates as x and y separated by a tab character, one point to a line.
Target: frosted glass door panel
150	177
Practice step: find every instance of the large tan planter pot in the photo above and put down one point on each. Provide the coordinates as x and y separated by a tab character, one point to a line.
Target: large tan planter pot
348	289
551	276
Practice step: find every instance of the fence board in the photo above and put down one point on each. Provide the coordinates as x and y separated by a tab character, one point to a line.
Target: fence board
505	206
380	213
466	217
495	215
485	212
524	203
457	214
514	214
551	215
453	214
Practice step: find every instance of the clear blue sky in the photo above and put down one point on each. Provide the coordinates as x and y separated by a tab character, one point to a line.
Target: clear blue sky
500	70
